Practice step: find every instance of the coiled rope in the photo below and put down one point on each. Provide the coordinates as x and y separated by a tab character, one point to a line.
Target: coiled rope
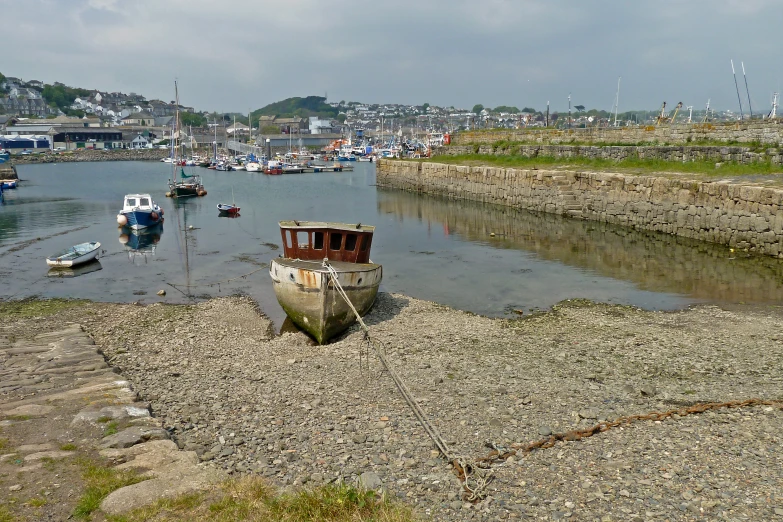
474	479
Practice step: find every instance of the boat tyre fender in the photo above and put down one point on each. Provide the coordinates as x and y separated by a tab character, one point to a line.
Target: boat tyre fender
154	216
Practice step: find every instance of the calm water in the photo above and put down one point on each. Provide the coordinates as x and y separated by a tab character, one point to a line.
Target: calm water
430	248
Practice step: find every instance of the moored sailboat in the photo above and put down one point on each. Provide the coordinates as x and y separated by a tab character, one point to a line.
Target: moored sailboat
187	185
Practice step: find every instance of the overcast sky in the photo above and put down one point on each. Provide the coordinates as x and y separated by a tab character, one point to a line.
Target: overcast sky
234	55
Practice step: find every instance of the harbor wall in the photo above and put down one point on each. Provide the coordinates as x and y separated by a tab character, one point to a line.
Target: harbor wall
740	216
769	132
94	155
734	154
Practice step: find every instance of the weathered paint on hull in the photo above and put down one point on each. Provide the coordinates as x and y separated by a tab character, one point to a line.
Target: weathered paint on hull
313	303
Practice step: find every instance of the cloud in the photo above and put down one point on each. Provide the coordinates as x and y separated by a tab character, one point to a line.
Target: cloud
247	53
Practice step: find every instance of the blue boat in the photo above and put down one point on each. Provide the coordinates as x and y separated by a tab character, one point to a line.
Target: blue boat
9	185
139	211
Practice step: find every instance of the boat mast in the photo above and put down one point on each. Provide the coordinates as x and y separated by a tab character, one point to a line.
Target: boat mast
617	100
736	85
773	112
750	107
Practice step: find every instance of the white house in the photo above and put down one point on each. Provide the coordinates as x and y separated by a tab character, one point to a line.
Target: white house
140	142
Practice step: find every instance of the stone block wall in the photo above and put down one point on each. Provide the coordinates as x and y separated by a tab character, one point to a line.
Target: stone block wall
742	155
741	216
765	132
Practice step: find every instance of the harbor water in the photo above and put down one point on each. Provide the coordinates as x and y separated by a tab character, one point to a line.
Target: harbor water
484	259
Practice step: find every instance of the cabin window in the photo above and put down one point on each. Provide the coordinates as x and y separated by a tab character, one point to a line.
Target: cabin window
350	242
364	243
335	241
318	240
303	238
144	202
288	236
131	202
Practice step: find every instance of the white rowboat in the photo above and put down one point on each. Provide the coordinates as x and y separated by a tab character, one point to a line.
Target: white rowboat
75	255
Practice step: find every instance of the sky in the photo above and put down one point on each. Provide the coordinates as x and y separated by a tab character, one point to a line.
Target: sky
237	55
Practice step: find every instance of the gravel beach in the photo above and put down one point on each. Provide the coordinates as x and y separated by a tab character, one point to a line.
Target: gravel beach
248	401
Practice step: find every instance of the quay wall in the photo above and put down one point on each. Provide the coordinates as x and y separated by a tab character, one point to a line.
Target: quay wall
733	154
740	216
768	132
94	155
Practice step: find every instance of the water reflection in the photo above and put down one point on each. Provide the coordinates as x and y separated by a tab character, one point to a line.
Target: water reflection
651	261
140	244
76	271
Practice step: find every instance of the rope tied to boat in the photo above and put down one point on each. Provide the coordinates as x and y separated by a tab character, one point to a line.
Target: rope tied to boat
475	477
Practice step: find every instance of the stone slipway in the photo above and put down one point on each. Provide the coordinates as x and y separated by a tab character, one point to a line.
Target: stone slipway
58	397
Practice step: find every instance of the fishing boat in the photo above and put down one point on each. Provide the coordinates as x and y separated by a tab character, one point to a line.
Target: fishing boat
9	185
314	254
252	167
188	185
274	167
139	211
75	255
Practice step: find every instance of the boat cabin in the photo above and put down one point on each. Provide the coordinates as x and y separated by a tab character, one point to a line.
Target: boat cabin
137	202
315	241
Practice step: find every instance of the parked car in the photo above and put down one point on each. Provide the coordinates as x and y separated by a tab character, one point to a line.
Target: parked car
58	149
25	152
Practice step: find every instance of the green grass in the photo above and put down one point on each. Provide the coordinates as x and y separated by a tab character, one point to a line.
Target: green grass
36	502
4	445
110	429
68	447
253	499
103	419
33	307
18	417
99	482
5	515
632	165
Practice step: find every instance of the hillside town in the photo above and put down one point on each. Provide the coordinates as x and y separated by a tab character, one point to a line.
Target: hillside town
35	117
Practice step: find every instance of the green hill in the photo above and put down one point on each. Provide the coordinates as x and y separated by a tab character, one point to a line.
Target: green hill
302	107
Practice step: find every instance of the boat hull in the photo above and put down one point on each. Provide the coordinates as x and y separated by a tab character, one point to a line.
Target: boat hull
184	191
66	260
308	296
139	219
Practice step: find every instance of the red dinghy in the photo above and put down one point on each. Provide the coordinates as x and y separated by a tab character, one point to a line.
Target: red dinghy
227	209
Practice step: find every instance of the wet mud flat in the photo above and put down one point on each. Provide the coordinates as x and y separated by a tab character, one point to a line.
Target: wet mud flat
249	402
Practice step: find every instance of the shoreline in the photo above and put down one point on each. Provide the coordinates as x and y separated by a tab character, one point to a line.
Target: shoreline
249	402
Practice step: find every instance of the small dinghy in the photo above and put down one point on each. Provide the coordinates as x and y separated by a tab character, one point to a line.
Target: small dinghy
75	255
314	255
227	209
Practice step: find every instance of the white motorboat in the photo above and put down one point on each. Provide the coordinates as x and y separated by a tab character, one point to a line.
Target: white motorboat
75	255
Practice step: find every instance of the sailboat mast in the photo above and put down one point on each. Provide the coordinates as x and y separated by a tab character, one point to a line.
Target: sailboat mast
750	107
736	85
617	100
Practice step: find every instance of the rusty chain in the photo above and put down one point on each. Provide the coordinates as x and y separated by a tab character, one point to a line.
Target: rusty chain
498	453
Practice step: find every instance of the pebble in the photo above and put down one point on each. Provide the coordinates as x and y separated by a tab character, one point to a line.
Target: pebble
504	382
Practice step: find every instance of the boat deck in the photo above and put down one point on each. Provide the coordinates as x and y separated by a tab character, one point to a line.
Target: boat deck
317	266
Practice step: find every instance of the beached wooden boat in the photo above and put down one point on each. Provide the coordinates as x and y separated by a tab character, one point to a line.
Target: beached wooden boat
75	255
303	282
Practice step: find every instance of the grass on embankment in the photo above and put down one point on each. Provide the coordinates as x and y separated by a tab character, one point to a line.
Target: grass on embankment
35	307
253	499
704	169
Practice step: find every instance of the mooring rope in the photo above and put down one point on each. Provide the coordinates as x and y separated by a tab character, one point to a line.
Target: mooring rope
474	479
